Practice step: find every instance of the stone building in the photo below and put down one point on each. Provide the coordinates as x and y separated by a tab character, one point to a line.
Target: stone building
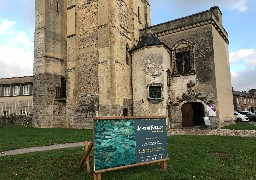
16	96
102	58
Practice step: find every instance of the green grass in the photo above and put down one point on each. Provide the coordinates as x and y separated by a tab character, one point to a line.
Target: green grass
242	126
14	137
191	157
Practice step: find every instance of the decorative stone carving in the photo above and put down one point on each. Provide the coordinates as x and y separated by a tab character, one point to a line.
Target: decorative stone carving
191	95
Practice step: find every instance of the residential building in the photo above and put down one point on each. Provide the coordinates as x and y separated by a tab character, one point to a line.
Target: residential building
16	96
244	101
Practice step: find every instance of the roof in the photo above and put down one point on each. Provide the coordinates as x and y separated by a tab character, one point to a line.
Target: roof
150	39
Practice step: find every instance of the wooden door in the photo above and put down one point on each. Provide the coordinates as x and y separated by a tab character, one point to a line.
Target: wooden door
187	115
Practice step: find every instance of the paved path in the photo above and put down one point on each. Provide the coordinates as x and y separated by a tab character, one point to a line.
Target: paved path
219	132
42	148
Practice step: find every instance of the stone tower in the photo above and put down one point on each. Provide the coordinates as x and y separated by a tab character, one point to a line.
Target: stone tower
82	66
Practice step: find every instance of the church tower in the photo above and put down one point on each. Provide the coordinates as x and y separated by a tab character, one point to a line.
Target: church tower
49	62
82	67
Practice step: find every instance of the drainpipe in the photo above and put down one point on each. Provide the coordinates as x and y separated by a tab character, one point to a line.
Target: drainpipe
132	106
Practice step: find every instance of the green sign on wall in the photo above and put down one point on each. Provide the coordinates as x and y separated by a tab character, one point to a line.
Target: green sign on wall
128	141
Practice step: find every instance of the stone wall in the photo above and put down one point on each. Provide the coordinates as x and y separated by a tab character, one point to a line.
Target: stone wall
16	120
47	110
149	68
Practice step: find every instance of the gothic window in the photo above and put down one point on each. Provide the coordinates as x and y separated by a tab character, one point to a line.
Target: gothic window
183	59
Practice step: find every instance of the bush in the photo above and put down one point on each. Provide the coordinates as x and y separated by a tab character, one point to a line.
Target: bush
16	120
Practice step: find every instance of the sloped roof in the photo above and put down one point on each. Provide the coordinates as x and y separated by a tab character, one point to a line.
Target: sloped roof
150	39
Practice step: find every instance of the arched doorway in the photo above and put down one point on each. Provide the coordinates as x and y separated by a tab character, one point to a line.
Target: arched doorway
192	114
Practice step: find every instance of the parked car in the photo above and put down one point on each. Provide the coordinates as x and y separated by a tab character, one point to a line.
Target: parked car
240	117
250	115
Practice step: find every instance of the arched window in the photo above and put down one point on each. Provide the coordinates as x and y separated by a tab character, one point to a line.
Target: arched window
183	59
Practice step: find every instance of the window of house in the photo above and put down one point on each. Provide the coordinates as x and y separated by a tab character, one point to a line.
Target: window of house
26	89
16	90
7	90
5	113
155	92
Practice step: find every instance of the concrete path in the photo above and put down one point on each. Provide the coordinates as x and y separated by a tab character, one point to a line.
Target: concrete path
42	148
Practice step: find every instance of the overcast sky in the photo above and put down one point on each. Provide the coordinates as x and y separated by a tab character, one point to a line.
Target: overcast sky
239	16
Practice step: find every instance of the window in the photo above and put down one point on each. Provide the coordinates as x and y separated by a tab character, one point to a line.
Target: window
128	57
183	59
61	91
57	7
7	91
26	89
155	92
16	90
125	112
139	13
183	62
5	113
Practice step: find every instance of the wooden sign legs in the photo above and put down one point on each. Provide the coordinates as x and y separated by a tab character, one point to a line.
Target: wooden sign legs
164	165
97	176
87	161
86	157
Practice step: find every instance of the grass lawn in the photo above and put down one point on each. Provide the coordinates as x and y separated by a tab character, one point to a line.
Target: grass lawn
14	137
191	157
242	126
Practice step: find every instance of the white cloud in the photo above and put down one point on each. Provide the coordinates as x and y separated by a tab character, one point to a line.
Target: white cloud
240	55
15	61
243	78
23	40
16	51
240	6
6	25
246	56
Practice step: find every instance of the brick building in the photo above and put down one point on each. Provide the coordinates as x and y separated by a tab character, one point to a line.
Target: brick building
16	96
102	58
244	101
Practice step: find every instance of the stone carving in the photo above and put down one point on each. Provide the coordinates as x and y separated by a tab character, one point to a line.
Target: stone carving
191	95
153	66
